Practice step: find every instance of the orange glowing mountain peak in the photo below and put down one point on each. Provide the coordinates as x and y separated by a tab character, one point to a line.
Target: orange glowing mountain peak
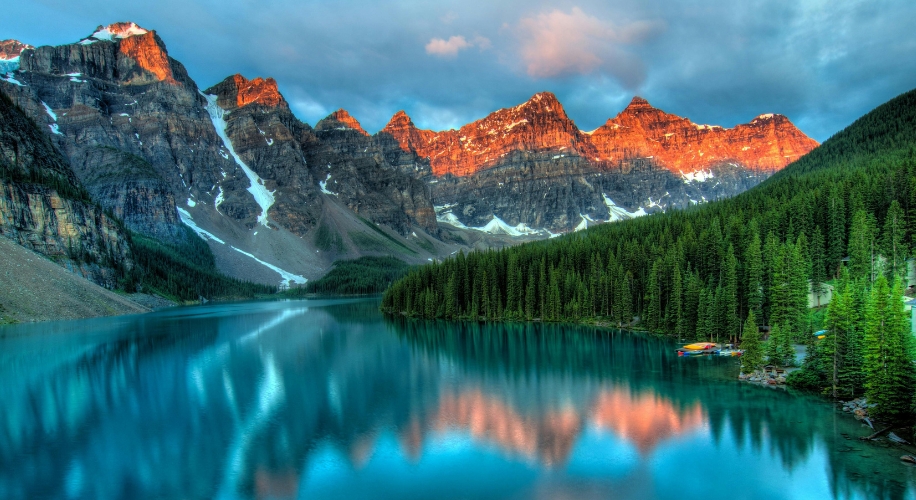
340	119
236	91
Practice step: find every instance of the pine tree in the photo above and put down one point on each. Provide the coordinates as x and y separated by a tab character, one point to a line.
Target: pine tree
818	265
861	246
834	342
786	348
451	292
876	345
798	291
753	262
771	346
677	303
893	246
730	296
653	299
530	297
836	231
702	330
752	359
852	369
513	286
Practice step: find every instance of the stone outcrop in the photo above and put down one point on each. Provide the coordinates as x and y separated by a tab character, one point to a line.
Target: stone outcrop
300	165
369	181
10	51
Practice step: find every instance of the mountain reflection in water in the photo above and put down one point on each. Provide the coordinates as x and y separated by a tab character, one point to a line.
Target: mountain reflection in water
326	399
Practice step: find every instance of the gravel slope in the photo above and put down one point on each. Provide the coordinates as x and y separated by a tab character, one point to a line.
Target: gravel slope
32	288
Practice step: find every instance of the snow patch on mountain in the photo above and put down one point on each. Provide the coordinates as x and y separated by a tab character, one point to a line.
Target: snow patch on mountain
286	275
698	176
113	32
496	225
262	196
582	225
186	219
324	186
619	213
49	111
8	78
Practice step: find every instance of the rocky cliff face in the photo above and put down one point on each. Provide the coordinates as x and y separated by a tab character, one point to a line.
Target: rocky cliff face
372	183
44	207
302	166
268	139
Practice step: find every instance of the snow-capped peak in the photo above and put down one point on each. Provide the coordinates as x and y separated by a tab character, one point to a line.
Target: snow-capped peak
114	31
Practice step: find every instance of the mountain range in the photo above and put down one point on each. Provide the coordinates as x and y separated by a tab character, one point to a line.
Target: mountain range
279	201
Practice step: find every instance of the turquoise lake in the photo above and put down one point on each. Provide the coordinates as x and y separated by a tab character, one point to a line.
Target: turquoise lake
330	399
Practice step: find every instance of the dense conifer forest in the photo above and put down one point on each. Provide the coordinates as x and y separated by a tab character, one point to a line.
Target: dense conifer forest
364	275
843	216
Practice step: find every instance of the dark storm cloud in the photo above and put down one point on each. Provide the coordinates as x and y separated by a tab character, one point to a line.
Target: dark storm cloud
821	63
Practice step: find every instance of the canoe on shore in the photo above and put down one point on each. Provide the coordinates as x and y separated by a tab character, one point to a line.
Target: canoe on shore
700	346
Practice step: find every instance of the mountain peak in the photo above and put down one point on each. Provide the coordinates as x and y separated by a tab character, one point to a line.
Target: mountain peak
545	95
10	49
543	100
638	103
115	31
340	119
400	119
236	91
766	117
261	91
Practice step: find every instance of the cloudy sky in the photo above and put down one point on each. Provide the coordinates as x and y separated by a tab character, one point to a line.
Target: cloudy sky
822	63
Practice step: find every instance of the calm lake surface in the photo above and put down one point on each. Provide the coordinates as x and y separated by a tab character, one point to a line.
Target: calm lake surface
328	399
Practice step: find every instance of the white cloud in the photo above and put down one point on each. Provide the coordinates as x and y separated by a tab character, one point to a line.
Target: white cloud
450	48
557	43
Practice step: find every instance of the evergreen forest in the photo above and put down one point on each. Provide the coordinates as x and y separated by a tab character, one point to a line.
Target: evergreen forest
364	275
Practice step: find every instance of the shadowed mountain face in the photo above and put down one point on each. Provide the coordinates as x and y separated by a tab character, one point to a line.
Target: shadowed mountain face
236	165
